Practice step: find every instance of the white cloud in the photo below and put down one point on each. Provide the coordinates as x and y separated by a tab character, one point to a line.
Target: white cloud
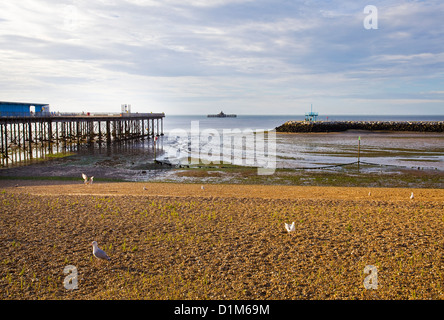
193	3
172	53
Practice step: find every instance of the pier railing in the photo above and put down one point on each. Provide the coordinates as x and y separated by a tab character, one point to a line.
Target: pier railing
78	114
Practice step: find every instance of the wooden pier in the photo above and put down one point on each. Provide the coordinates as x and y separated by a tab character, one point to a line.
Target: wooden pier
27	132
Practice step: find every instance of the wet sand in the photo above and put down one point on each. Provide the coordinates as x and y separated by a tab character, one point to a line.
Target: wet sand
179	241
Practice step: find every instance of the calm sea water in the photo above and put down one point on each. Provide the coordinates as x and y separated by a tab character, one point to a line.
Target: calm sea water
262	122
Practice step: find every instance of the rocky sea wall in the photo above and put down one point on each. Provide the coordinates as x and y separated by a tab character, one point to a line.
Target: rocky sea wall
338	126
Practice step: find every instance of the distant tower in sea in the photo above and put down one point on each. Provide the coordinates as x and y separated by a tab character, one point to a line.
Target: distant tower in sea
311	116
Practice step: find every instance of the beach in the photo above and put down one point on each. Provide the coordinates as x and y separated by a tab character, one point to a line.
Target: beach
222	241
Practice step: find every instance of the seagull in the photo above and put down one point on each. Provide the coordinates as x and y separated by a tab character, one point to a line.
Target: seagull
290	227
369	193
144	188
202	187
411	196
85	179
99	253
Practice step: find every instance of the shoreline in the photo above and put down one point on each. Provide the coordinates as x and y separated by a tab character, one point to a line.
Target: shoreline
345	176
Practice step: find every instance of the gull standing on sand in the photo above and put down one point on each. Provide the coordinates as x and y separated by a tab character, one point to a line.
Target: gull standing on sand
290	227
202	187
99	253
411	196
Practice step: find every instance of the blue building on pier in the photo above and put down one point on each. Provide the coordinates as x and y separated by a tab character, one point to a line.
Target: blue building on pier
23	109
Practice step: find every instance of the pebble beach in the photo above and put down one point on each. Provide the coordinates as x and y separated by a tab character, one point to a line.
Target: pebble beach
182	241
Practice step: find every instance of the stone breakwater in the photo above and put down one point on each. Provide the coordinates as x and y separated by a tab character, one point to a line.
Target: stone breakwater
338	126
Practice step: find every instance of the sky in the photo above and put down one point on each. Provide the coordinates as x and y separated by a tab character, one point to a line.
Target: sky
266	57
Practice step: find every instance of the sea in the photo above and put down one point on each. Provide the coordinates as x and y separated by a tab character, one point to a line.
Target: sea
246	141
264	122
309	150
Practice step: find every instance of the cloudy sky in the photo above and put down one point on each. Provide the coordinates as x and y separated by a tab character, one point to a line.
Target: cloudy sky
240	56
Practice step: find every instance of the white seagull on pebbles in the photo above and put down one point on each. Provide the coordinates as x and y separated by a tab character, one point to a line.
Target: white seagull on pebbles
85	179
99	253
290	227
411	196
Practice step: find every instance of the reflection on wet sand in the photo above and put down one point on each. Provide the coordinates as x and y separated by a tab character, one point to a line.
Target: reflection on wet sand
323	153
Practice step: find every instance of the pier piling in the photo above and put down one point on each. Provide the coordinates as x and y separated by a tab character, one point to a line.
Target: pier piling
22	134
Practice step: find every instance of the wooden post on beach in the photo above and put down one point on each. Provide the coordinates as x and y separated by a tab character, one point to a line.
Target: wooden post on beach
78	132
155	146
49	122
5	152
359	151
19	136
30	138
100	131
108	132
1	132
